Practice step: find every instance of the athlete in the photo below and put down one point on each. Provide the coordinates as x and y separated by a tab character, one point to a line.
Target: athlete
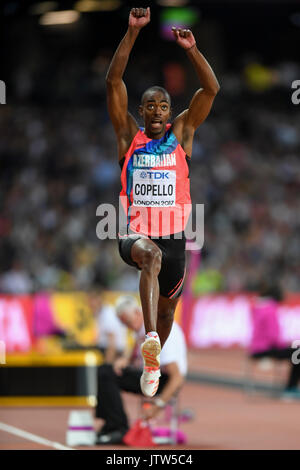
155	186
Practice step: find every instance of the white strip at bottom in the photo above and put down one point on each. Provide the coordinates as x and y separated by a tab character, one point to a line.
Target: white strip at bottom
32	437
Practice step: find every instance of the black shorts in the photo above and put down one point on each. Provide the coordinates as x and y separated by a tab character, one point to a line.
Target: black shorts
172	273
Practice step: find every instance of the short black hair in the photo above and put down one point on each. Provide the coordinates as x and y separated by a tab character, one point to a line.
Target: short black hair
156	88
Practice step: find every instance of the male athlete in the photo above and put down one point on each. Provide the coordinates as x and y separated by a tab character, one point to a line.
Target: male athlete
155	186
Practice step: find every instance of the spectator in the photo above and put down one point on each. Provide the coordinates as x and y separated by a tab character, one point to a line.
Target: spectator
124	375
266	341
113	334
16	280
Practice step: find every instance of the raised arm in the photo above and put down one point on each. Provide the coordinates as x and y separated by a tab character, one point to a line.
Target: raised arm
187	122
117	101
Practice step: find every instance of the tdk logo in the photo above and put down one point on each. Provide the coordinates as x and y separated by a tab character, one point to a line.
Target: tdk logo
2	92
157	175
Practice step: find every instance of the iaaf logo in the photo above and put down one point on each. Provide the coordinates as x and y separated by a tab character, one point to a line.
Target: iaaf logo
156	175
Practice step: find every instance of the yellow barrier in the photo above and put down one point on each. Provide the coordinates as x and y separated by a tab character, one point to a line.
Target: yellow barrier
65	359
47	401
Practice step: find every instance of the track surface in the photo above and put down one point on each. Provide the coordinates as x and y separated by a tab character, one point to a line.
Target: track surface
225	418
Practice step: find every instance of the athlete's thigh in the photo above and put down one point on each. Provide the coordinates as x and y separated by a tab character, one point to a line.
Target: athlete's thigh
172	272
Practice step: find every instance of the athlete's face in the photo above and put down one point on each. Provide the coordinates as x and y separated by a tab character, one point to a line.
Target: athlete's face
156	111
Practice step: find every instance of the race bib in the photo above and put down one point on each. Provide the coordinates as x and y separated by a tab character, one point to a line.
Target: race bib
154	188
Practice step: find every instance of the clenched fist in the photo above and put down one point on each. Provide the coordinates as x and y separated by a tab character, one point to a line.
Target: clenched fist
139	17
184	37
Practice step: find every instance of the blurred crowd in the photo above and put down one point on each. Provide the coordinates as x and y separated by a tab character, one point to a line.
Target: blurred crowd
59	163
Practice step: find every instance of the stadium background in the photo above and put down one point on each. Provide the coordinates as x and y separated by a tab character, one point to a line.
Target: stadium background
58	164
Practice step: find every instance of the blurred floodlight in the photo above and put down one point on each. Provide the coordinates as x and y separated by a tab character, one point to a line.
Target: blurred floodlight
172	3
43	7
59	17
97	5
179	17
295	19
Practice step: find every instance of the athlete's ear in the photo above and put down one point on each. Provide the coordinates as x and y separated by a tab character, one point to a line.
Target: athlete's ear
171	113
141	110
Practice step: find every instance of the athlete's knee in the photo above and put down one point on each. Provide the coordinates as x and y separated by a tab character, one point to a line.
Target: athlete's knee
151	259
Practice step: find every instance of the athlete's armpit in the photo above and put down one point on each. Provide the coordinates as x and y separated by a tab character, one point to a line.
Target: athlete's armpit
199	108
184	133
124	123
186	123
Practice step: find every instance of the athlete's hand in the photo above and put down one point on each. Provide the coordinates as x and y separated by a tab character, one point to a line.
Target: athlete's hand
120	364
184	37
139	17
